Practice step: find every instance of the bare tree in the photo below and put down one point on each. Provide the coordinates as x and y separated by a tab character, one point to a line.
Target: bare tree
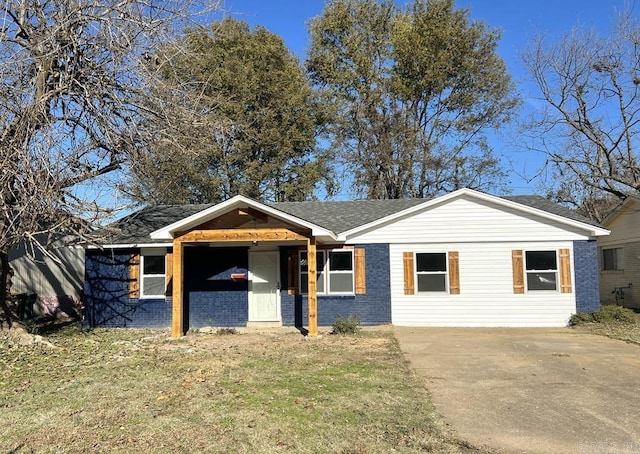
588	123
72	74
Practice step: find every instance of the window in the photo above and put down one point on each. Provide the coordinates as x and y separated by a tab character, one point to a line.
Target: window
340	272
152	274
304	272
541	269
431	270
612	259
334	272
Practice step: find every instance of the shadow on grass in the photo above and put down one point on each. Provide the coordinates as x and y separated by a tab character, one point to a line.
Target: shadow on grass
48	325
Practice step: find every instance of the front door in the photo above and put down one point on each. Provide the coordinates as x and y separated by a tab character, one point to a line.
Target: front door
264	295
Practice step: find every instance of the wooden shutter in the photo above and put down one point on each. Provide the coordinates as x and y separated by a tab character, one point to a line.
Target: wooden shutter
565	271
517	260
409	287
292	272
360	271
168	269
134	276
454	273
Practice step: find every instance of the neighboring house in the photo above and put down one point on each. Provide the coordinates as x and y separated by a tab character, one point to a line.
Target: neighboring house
463	259
619	256
55	279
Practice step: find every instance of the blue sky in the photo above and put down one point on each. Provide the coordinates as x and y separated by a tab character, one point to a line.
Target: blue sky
519	22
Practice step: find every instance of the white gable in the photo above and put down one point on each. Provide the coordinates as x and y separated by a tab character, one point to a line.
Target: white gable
468	218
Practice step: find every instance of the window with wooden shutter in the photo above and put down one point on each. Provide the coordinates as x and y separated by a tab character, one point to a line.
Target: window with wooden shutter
409	286
134	276
454	273
360	271
565	270
169	274
518	271
292	272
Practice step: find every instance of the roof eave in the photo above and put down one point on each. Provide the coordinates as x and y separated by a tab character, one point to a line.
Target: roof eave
616	211
167	232
127	245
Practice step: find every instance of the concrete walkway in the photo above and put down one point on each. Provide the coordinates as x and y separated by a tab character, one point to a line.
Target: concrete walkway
531	390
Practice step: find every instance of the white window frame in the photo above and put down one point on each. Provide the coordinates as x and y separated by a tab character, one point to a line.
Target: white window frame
152	252
618	259
422	273
327	272
555	271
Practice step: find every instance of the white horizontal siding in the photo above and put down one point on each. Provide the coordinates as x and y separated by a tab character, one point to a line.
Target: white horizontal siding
486	290
469	220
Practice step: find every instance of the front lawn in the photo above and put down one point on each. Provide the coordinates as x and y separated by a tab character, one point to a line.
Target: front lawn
139	391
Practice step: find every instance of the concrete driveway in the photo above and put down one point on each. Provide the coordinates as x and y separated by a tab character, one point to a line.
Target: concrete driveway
531	390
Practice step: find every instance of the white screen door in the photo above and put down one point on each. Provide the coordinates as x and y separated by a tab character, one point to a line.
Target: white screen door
263	290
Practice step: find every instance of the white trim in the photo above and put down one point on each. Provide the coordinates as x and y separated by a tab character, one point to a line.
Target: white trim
129	246
326	272
152	252
167	232
444	273
555	271
593	230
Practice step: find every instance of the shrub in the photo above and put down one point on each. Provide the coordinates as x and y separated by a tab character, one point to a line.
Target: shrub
615	314
226	331
606	314
348	325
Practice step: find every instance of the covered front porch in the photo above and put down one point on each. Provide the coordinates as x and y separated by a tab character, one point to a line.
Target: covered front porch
261	281
262	231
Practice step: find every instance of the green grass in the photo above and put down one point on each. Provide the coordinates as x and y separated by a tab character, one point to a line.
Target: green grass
138	391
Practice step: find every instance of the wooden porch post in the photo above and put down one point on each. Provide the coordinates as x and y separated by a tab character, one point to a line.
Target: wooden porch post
177	326
312	290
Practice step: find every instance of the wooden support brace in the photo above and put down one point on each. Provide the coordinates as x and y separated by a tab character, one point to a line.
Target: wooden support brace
312	294
177	324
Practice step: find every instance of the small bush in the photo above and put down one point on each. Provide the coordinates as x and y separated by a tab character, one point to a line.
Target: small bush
581	318
226	331
348	325
606	314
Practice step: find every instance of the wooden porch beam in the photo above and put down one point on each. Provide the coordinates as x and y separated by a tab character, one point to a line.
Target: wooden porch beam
275	234
177	324
312	295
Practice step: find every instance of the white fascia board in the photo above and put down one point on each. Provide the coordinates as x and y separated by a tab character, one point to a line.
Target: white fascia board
128	246
592	229
166	233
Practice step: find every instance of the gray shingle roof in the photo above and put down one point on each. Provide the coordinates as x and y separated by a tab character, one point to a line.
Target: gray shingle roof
335	216
342	216
136	228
